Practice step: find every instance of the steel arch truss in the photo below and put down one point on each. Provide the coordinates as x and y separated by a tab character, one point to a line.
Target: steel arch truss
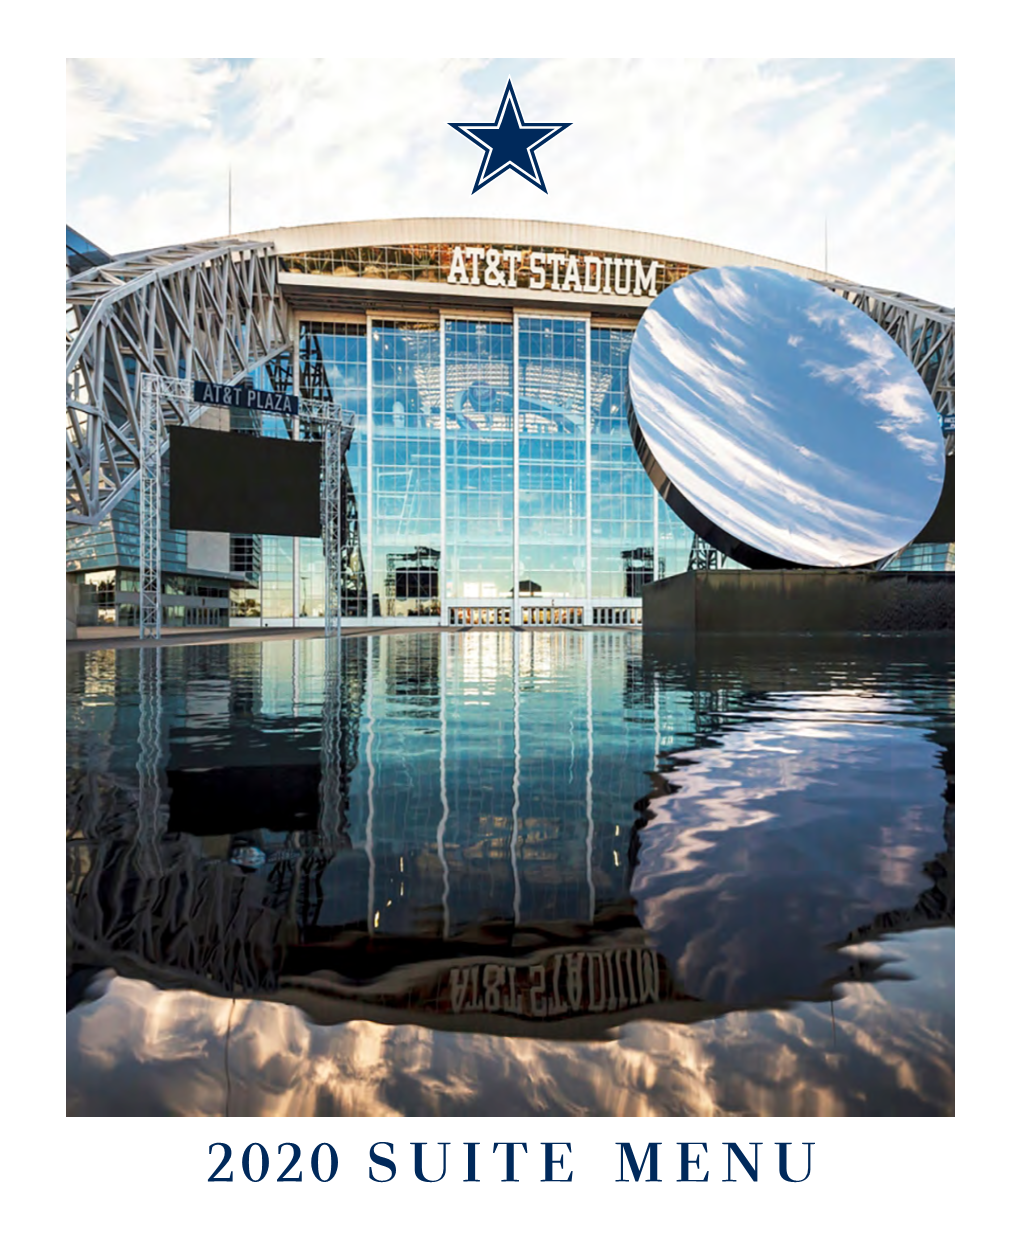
204	312
924	332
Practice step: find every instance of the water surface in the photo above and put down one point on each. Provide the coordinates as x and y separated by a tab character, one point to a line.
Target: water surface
496	872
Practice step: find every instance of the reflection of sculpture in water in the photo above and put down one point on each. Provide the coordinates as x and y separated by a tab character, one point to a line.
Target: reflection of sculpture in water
797	816
936	906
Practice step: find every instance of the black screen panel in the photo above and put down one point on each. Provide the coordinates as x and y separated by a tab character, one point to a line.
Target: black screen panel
233	483
213	801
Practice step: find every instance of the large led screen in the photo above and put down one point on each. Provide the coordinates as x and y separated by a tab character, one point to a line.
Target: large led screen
234	483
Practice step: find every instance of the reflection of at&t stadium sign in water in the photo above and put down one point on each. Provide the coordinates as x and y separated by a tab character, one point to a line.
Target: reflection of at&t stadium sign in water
590	274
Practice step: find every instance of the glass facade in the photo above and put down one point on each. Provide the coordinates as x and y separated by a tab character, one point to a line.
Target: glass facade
334	368
925	557
82	253
491	478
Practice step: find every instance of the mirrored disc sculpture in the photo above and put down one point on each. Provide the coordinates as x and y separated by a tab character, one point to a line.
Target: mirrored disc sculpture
781	423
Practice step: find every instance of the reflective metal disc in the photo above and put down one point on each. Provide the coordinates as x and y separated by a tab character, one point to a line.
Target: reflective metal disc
781	423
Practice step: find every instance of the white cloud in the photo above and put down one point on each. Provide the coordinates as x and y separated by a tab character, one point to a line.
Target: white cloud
126	99
747	154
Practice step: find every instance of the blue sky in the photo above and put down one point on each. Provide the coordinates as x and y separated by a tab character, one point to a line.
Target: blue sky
750	154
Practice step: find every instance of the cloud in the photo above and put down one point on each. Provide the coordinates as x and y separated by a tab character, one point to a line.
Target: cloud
748	154
126	99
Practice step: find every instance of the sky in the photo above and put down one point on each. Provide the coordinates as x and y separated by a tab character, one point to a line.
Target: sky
770	156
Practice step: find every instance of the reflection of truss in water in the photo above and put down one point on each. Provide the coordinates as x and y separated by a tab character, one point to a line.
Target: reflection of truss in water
335	767
196	924
151	822
184	909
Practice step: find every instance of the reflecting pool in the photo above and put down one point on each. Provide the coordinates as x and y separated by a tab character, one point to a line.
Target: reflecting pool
511	872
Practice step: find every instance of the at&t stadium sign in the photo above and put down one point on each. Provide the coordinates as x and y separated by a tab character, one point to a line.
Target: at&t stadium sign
587	274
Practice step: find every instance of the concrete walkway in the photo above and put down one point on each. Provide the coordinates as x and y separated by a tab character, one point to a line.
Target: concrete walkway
107	637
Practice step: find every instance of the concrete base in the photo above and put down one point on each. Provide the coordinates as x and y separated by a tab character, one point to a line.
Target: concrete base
812	601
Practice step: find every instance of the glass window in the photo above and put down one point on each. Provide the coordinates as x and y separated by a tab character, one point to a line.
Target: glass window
622	497
405	468
479	459
552	406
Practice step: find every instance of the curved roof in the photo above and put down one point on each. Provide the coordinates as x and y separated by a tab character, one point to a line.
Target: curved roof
579	238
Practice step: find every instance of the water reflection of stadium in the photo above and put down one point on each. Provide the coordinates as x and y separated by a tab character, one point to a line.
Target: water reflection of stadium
444	829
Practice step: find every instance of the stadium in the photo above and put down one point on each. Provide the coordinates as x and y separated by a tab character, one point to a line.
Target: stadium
491	478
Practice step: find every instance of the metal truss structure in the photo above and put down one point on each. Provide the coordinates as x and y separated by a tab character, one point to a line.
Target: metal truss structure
150	500
158	396
205	312
703	555
335	440
924	332
315	384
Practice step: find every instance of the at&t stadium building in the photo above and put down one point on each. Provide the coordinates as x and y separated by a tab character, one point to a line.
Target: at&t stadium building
491	478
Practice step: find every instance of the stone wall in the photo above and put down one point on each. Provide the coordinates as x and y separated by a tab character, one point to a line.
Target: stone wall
801	601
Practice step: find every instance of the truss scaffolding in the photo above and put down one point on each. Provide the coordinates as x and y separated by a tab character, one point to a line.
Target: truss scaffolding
161	394
206	312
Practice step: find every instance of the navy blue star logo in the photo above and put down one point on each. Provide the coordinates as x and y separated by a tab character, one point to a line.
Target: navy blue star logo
509	143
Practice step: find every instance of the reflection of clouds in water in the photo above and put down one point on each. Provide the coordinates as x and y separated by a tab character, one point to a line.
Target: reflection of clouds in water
804	822
768	434
138	1051
896	861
